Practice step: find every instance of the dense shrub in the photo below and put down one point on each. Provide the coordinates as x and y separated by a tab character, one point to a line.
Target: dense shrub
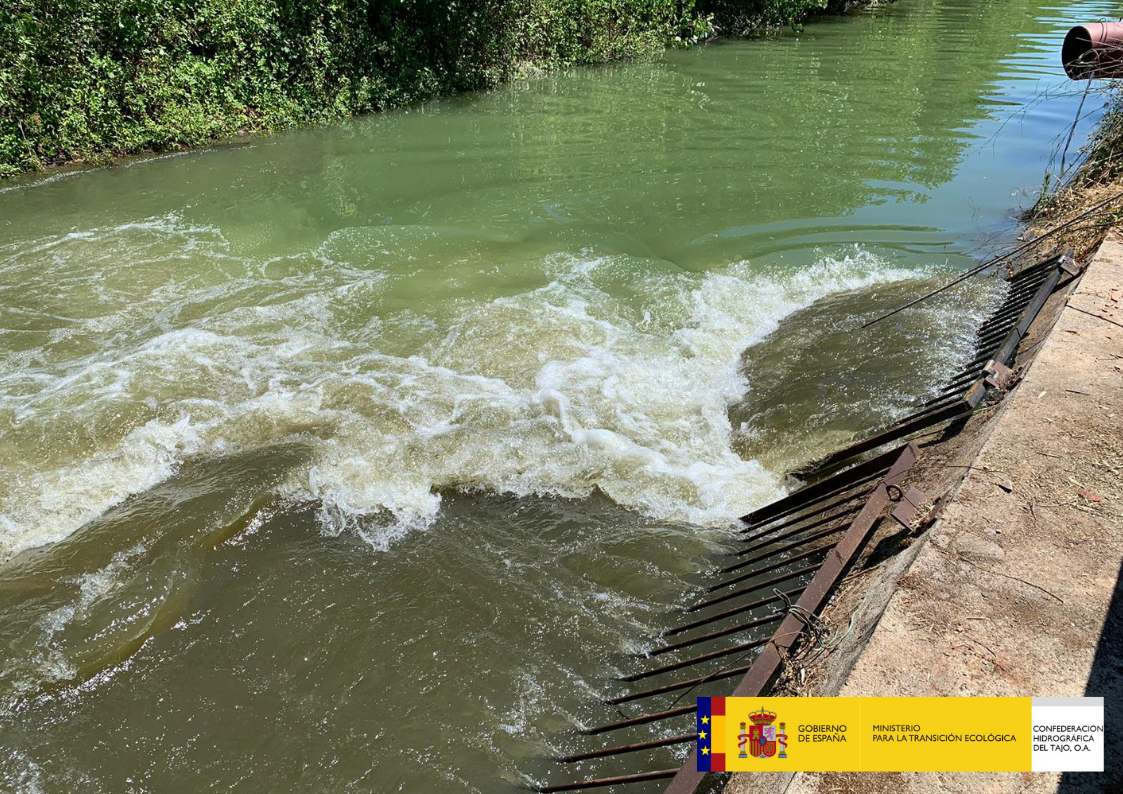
86	79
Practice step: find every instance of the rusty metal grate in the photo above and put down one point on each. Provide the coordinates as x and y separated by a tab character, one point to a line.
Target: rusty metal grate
795	550
995	344
792	551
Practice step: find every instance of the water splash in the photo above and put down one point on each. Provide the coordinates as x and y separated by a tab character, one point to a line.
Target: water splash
614	373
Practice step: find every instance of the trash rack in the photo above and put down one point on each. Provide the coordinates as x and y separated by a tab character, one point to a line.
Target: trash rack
789	557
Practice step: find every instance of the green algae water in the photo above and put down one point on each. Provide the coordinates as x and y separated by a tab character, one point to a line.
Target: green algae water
363	458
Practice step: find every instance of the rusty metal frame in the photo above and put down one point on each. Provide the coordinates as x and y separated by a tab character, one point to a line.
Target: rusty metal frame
768	663
996	342
877	482
850	501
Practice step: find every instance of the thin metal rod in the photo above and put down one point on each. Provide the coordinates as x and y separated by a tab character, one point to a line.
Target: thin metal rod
690	682
991	333
841	460
1017	297
896	433
936	405
986	353
942	403
995	260
1022	275
952	404
601	782
713	635
966	377
998	321
751	588
627	748
1035	278
825	490
965	372
790	533
1018	294
731	612
1033	270
963	379
956	391
766	569
1002	317
1005	317
947	402
641	720
693	660
820	507
795	544
998	331
995	339
820	490
1023	291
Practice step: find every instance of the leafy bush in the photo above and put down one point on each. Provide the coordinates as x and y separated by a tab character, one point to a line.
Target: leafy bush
89	79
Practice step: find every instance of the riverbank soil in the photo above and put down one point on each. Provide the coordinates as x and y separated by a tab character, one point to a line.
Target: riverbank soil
1016	588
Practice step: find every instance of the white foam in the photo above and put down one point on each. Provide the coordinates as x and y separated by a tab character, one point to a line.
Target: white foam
47	656
558	390
27	777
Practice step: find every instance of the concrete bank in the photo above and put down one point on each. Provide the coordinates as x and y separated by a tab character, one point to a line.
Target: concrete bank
1017	590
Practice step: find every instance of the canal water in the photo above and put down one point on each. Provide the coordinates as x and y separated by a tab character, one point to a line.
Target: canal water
363	458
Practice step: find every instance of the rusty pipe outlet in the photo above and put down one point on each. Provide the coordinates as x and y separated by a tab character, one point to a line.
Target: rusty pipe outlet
1093	51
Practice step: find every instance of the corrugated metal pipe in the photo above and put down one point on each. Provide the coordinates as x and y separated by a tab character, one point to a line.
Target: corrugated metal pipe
1094	50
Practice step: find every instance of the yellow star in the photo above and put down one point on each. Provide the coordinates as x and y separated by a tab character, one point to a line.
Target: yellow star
705	720
705	751
702	735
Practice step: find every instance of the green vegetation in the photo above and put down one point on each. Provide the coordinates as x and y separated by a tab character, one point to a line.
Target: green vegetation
1103	156
1089	191
89	79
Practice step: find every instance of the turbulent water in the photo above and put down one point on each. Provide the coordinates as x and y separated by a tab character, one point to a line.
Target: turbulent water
360	458
557	388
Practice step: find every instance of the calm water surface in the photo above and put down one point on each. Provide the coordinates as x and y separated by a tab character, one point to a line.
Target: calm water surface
362	458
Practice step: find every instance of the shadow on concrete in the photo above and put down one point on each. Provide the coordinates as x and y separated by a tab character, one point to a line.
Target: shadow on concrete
1106	681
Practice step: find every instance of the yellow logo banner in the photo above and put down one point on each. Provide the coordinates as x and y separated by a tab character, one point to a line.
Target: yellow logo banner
874	734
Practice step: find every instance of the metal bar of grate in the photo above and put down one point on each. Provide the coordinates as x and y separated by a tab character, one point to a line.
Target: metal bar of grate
730	613
766	569
824	505
753	588
966	390
795	544
961	402
910	425
713	635
705	657
768	663
813	493
759	672
720	675
610	781
766	538
642	719
963	382
952	393
627	748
